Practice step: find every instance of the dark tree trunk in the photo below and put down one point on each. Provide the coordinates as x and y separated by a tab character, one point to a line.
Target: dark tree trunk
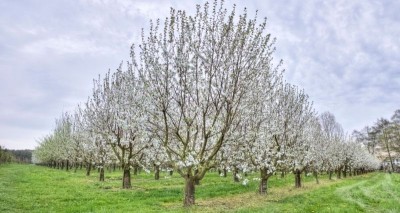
67	165
156	172
235	174
316	177
88	169
102	173
282	174
297	176
196	181
189	192
113	167
126	180
135	169
330	175
339	173
224	171
80	165
171	172
263	187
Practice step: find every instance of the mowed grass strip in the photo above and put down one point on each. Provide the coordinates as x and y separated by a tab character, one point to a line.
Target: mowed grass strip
375	192
29	188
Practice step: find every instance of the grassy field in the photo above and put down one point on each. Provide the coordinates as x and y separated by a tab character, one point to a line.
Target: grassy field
29	188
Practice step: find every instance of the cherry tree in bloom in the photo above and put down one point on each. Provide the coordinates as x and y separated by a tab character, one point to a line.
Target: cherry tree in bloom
333	135
295	120
317	148
82	135
97	151
76	140
197	70
116	114
57	148
362	160
307	153
155	157
259	124
279	139
62	136
45	153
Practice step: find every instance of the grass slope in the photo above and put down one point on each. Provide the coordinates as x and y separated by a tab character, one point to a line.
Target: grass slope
29	188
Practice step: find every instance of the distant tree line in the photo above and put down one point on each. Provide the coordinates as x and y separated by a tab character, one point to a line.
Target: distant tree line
5	156
22	156
15	156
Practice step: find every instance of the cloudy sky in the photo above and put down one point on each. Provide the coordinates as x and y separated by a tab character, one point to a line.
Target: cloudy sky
345	54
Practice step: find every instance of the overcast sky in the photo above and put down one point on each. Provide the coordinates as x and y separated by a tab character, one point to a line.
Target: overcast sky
344	53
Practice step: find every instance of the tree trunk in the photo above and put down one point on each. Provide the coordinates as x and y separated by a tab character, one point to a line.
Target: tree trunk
171	172
126	180
67	166
224	171
88	168
135	169
297	175
102	173
196	181
156	172
390	157
339	173
263	187
282	174
189	192
330	175
235	174
316	176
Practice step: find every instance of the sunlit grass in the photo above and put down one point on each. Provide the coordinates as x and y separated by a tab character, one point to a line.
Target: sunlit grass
29	188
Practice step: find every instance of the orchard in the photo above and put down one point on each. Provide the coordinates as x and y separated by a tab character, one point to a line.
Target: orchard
202	92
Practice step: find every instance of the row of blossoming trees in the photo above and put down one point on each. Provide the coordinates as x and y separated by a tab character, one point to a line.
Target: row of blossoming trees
202	92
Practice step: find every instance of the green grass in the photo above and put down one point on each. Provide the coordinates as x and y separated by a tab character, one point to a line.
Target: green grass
29	188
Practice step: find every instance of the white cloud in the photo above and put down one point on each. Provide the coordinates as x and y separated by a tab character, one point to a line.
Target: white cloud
65	45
